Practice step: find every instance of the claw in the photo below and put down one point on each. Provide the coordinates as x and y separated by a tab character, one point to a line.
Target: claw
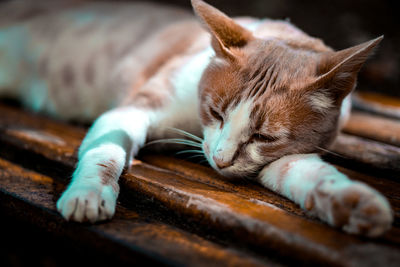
87	203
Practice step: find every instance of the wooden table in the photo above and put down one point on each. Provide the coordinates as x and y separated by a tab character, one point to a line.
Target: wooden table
175	212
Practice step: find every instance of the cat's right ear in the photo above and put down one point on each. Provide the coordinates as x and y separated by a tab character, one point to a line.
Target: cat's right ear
226	33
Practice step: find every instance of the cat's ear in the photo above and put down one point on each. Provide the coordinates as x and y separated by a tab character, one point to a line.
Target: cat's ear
226	33
337	71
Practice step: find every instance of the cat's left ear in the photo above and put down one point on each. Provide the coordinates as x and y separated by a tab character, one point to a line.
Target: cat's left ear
337	71
226	33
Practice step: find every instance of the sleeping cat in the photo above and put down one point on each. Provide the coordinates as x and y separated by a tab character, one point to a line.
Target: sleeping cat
264	96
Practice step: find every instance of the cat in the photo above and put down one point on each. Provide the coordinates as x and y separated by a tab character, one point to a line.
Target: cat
264	96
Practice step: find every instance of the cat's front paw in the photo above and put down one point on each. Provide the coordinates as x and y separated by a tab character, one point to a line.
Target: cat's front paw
85	202
353	206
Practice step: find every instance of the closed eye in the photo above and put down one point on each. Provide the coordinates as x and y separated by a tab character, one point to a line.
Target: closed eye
264	138
216	115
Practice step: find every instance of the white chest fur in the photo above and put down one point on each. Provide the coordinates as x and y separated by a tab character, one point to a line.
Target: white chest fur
183	111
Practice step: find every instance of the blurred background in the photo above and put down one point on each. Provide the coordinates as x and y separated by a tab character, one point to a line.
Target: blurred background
340	23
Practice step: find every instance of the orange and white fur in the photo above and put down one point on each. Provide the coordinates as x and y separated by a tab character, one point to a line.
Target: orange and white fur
264	96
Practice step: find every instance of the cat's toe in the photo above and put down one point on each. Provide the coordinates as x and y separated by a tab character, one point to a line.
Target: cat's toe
369	212
108	203
354	207
87	203
67	206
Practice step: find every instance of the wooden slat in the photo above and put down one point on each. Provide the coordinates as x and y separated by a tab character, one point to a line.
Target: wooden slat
229	209
377	103
374	127
255	193
375	154
129	232
245	188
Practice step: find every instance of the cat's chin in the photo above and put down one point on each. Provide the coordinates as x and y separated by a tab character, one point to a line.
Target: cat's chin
235	174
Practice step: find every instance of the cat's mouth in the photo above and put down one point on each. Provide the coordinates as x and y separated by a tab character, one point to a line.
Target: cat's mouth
237	169
239	172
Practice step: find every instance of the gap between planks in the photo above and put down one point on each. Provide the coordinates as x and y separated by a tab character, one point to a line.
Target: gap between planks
253	222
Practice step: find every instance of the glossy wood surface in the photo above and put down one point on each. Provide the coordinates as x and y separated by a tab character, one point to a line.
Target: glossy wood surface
175	212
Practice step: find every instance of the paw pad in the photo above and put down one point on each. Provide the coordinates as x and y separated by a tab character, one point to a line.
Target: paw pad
355	207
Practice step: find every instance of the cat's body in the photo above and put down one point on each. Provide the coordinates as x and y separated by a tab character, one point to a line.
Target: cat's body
153	68
96	57
93	57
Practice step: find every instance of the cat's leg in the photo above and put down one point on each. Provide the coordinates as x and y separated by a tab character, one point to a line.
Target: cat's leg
107	148
325	192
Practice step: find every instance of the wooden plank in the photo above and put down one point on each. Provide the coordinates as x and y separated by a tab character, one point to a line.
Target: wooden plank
377	103
375	154
255	193
129	236
374	127
246	216
245	188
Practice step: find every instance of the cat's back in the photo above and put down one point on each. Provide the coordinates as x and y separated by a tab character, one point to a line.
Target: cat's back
290	34
71	54
92	56
48	15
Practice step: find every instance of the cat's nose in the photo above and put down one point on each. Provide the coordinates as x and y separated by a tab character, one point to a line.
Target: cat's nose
220	163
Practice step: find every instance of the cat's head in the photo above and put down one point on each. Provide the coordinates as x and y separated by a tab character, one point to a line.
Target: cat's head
261	99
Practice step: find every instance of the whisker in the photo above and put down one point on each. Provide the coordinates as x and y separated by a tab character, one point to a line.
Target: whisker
186	134
190	151
175	141
203	161
330	152
195	156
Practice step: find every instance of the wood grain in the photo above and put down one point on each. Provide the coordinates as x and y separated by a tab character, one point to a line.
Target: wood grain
129	230
374	127
375	154
377	103
240	214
